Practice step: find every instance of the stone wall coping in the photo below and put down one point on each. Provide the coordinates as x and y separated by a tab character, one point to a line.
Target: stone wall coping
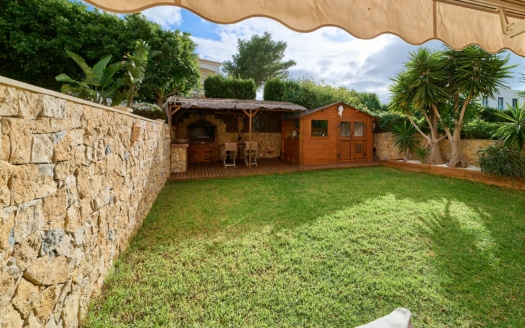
29	87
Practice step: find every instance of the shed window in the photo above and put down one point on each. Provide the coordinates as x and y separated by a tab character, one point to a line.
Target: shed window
319	128
345	129
514	103
359	129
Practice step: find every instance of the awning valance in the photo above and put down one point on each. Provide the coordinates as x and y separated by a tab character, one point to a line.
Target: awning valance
491	24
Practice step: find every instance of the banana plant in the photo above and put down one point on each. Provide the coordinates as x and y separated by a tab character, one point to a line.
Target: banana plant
135	66
99	83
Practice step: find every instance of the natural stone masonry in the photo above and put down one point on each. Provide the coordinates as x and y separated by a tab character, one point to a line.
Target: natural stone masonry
73	190
386	149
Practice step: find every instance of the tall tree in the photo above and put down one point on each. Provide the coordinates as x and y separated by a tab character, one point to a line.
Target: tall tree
175	71
35	34
415	90
441	86
260	59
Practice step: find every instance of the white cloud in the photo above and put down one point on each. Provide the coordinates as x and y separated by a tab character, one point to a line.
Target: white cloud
166	16
328	54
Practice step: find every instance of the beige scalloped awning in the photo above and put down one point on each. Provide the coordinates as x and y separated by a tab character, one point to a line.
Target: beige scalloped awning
491	24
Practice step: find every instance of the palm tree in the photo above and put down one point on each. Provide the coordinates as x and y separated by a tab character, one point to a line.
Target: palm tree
416	90
513	130
440	85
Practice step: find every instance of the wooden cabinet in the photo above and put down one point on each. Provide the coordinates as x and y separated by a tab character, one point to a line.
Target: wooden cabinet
203	152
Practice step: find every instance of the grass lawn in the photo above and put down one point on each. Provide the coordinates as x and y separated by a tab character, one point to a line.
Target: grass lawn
335	248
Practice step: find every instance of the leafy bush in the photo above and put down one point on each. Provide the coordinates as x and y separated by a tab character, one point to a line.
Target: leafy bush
422	153
150	111
488	114
478	129
309	94
500	160
217	86
386	121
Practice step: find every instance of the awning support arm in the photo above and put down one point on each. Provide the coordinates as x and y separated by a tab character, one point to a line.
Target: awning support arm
510	29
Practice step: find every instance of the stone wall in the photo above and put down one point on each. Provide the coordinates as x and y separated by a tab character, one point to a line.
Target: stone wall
179	158
73	189
385	148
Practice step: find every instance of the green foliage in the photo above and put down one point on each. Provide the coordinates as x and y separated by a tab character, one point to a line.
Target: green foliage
32	32
478	129
421	153
500	160
512	130
99	83
488	114
406	137
217	86
307	93
135	66
175	71
150	111
386	121
260	59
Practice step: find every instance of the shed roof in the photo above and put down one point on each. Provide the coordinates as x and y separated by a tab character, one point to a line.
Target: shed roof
311	111
216	104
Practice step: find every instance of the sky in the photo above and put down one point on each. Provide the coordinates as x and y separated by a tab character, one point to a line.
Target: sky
328	55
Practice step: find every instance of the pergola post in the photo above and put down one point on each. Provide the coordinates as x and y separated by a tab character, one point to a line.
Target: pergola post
172	110
250	115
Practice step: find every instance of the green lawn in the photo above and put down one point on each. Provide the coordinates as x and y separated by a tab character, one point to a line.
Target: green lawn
334	248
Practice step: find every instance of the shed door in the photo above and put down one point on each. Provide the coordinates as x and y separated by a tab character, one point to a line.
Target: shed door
351	141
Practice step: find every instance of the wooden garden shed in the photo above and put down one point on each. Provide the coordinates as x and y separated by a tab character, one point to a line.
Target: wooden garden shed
329	134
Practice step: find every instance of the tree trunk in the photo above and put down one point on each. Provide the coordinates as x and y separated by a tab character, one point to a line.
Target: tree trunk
434	153
456	155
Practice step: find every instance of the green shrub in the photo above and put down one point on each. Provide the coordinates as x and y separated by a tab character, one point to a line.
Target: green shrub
490	114
500	160
478	129
422	153
217	86
406	137
512	129
150	111
386	121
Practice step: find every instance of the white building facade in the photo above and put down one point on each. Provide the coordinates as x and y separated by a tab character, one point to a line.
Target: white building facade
503	99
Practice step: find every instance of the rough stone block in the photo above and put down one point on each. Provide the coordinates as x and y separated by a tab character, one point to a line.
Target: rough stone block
50	240
26	294
10	318
27	251
8	101
7	289
7	224
53	107
61	170
29	219
42	148
29	104
6	172
47	271
19	138
48	299
54	208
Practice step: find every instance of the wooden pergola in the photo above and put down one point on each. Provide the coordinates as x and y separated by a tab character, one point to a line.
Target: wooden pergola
178	105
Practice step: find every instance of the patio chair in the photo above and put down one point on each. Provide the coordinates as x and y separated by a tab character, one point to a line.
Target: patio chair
230	153
250	153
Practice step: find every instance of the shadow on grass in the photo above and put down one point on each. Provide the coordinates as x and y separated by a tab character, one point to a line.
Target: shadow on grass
452	251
